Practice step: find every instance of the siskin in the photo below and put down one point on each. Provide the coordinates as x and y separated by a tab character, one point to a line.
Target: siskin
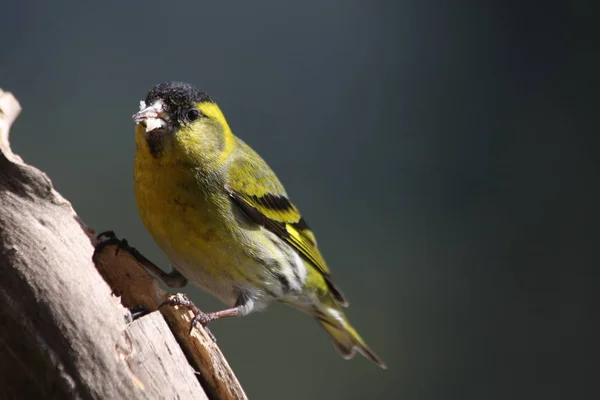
224	220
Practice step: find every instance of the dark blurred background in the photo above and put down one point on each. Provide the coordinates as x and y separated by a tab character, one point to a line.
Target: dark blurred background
445	153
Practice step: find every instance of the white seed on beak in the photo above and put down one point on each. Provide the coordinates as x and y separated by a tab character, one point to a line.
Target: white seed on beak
151	116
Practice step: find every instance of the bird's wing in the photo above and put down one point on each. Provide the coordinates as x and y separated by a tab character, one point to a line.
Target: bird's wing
255	189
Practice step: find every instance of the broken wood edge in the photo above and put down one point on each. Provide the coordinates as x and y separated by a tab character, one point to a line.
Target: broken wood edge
9	111
138	288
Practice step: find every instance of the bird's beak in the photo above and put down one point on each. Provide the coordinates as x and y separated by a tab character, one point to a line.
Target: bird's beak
153	111
151	117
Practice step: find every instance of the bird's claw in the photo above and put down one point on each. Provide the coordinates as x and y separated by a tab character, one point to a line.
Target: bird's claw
200	317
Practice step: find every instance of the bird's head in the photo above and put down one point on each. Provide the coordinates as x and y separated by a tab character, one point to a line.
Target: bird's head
177	117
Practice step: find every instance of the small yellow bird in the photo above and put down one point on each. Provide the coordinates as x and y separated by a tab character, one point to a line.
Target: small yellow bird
224	220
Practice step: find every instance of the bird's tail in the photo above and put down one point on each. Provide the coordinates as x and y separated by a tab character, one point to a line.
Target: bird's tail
345	338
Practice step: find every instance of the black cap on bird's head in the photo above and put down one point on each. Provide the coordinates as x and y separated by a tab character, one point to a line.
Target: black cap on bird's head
172	103
177	94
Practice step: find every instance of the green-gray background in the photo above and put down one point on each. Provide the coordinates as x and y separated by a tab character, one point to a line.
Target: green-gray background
443	152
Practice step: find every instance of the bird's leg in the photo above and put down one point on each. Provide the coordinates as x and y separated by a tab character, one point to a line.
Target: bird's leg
213	316
200	316
243	305
173	279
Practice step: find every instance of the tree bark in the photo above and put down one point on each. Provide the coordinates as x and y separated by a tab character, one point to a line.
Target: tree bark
65	327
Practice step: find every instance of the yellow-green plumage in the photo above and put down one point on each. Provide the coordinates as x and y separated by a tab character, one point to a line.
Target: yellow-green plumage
223	218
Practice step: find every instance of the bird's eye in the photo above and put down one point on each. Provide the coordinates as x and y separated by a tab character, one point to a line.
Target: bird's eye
193	114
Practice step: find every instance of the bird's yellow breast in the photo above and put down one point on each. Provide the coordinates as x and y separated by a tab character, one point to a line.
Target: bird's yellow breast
181	214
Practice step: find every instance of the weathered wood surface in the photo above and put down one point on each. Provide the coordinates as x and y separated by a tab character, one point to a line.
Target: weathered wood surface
147	338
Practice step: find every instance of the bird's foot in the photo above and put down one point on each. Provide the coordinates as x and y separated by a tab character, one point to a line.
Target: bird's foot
200	317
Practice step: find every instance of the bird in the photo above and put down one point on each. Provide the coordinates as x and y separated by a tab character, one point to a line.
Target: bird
224	220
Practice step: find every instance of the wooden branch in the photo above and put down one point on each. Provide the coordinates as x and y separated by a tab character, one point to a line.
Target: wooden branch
64	332
137	287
